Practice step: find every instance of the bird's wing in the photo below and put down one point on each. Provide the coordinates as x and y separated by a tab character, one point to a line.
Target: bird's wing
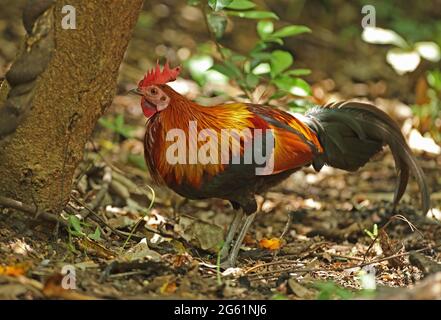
295	144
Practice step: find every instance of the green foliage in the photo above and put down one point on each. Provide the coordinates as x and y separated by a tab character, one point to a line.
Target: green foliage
253	14
218	24
96	235
116	124
406	20
430	112
75	227
329	290
241	5
279	296
137	160
79	229
404	56
434	80
217	5
372	234
265	64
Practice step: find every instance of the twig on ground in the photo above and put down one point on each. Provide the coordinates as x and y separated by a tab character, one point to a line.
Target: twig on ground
123	233
334	255
287	225
30	209
399	217
307	270
96	215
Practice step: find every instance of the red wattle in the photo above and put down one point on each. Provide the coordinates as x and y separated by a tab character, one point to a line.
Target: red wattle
148	112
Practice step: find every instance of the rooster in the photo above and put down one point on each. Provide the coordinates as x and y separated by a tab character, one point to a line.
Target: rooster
343	135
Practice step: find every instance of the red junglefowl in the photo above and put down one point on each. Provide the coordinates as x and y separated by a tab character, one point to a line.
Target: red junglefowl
185	149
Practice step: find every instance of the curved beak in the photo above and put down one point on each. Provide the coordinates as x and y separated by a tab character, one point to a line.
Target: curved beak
135	91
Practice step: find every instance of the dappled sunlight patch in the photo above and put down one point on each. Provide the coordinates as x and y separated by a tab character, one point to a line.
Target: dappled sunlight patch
313	204
434	213
420	143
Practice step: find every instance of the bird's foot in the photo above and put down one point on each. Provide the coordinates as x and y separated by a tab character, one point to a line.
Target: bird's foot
227	264
229	261
225	252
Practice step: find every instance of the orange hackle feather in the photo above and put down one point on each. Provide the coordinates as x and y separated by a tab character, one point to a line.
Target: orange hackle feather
290	152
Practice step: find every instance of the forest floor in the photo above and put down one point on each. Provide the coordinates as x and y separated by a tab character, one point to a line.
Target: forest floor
327	235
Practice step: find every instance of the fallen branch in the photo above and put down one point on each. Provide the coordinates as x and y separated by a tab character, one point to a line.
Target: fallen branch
30	210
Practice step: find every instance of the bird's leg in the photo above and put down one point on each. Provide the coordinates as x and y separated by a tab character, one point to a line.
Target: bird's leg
235	251
232	230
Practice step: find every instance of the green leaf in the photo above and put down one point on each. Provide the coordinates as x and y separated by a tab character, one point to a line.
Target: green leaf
217	5
218	24
261	56
117	125
297	72
119	122
434	79
290	31
226	52
295	107
241	5
254	14
198	65
238	57
137	160
280	61
278	95
262	68
252	80
258	58
295	86
428	50
75	224
276	40
403	60
300	105
259	47
279	296
193	2
96	235
264	28
228	69
383	36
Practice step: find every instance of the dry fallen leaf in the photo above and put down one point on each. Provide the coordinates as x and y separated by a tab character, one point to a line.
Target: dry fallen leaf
168	288
140	251
14	270
53	289
270	244
201	234
93	247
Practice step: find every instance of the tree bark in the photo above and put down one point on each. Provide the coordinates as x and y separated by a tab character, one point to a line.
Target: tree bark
60	84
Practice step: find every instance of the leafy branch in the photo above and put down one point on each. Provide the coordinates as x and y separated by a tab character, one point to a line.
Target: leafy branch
265	64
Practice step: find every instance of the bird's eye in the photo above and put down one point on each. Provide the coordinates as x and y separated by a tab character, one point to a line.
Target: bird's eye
154	91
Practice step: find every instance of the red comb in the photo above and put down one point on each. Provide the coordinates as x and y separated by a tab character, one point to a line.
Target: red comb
156	76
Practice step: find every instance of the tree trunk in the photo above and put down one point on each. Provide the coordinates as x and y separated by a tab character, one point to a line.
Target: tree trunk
60	85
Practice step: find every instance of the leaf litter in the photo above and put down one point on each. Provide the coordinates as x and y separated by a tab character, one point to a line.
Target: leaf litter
326	235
